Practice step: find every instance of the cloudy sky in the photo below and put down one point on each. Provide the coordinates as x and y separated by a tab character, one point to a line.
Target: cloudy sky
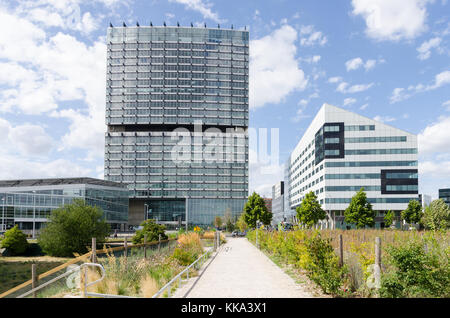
385	59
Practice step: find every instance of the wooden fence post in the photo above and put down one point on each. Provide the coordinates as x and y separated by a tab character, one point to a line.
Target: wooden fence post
145	246
94	250
377	270
34	278
341	251
159	243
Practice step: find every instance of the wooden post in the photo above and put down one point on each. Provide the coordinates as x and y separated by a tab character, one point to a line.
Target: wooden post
159	243
145	246
126	247
34	278
94	250
341	251
377	271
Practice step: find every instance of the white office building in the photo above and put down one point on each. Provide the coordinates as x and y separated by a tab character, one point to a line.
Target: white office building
340	153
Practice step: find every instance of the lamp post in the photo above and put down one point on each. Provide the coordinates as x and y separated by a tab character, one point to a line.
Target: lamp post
3	215
146	212
187	209
34	213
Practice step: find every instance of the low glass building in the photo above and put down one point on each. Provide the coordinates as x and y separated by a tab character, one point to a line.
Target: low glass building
444	194
28	203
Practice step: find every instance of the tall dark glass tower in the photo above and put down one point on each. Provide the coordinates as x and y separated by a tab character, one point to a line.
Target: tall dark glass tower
177	117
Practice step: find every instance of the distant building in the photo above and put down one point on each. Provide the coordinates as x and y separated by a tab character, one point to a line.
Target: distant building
424	199
28	203
268	203
444	194
278	203
342	152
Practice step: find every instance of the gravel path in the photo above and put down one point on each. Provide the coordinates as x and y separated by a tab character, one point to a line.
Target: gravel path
240	270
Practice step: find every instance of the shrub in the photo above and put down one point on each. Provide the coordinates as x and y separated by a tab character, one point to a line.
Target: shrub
417	273
436	216
323	267
150	229
15	241
71	228
189	248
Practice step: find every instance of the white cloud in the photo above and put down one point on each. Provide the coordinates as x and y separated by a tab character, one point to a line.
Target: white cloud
363	107
261	181
425	48
358	62
273	78
349	101
435	137
312	59
446	105
392	20
384	119
400	94
345	88
310	37
203	7
353	64
335	79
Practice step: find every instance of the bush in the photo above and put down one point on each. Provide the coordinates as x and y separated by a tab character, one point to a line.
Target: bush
71	228
150	229
15	241
417	273
323	267
189	248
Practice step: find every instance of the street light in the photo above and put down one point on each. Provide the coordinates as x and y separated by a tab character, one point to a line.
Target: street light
187	209
3	215
34	212
146	211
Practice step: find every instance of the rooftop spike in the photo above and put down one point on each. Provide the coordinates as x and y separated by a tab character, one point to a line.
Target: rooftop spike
110	25
151	24
137	23
124	24
192	25
178	24
165	23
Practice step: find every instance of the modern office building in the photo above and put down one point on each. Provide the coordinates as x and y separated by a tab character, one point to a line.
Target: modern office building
177	117
444	194
341	152
28	203
268	204
424	199
278	203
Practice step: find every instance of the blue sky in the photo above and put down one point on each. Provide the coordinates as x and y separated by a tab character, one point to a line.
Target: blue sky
388	60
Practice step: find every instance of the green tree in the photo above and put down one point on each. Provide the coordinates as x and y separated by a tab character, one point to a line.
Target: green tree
255	209
71	228
218	221
150	229
241	224
310	211
360	212
389	218
15	241
413	212
436	216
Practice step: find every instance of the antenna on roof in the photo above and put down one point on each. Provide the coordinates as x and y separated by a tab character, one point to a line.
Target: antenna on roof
151	24
124	24
218	26
192	25
164	23
137	23
245	28
231	27
205	24
110	25
178	24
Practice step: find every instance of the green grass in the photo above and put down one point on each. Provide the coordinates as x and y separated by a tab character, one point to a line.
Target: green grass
16	273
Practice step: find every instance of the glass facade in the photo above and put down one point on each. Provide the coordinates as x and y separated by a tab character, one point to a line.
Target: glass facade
25	205
444	194
177	116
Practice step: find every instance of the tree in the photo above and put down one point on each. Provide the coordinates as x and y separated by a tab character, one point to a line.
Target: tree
241	224
436	216
389	218
150	229
255	209
15	241
413	212
71	228
310	211
228	220
218	221
360	212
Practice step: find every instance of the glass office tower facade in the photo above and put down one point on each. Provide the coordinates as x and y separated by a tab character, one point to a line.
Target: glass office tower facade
444	194
342	152
28	203
177	117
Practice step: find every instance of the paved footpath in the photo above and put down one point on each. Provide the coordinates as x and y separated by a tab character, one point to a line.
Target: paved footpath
240	270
